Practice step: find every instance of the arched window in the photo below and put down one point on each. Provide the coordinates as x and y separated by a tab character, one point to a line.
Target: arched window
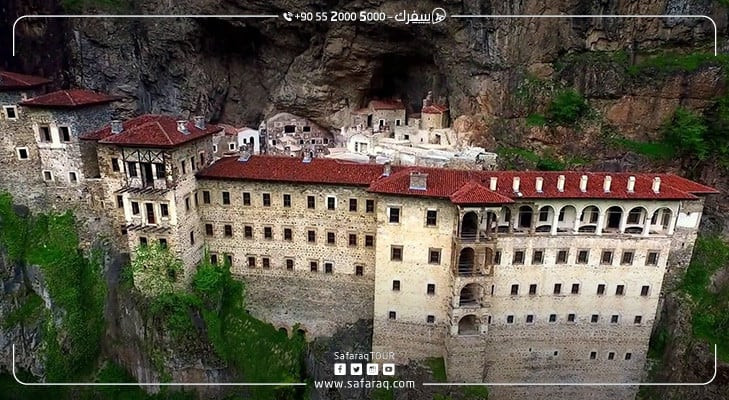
466	262
469	226
525	217
612	219
469	325
470	295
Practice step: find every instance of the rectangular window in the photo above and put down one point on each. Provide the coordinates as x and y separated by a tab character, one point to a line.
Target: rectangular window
226	198
570	317
331	238
607	257
575	288
65	133
514	290
142	241
160	168
434	256
22	153
313	266
394	215
248	231
532	289
311	236
430	319
206	197
395	286
392	315
614	319
430	289
561	257
135	208
251	262
72	177
209	229
47	176
164	210
229	259
192	237
620	290
431	217
644	290
163	243
628	356
509	319
193	167
132	168
45	134
544	214
627	258
115	164
369	206
497	257
119	201
289	264
529	318
352	239
246	199
583	256
611	355
353	205
396	253
359	270
593	355
287	200
557	288
538	257
552	317
267	199
328	268
187	203
310	202
10	112
288	234
183	167
214	259
267	232
651	258
601	289
369	241
266	262
518	257
228	229
638	319
195	197
594	318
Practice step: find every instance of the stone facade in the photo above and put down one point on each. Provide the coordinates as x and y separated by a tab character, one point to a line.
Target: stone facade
291	135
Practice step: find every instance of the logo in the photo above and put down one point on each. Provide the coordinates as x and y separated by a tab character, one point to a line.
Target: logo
373	369
388	369
355	369
340	369
438	15
288	16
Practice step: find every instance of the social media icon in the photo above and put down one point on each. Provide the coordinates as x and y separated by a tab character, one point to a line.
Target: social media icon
355	369
388	369
373	369
340	369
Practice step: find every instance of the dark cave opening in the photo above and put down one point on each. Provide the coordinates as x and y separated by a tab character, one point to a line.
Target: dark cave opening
408	77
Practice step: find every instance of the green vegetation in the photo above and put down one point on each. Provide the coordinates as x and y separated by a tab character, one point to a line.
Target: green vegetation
710	319
437	368
155	270
686	133
659	151
536	120
668	63
30	310
74	283
517	158
566	108
475	392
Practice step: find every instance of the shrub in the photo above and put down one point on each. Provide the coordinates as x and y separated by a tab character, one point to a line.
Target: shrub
536	120
567	107
686	133
155	270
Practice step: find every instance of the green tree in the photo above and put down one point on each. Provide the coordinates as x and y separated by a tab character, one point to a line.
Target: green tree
567	107
686	132
156	270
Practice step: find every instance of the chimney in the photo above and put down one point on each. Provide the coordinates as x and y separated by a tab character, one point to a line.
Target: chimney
583	183
492	183
606	183
538	184
116	126
631	184
560	183
515	184
386	169
418	181
182	127
656	185
199	122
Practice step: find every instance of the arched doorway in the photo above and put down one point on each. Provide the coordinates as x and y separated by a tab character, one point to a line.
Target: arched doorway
613	218
469	325
525	217
470	295
469	226
466	262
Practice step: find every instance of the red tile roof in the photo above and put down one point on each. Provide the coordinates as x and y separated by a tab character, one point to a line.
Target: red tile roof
291	169
73	98
151	131
434	109
13	81
459	186
391	104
